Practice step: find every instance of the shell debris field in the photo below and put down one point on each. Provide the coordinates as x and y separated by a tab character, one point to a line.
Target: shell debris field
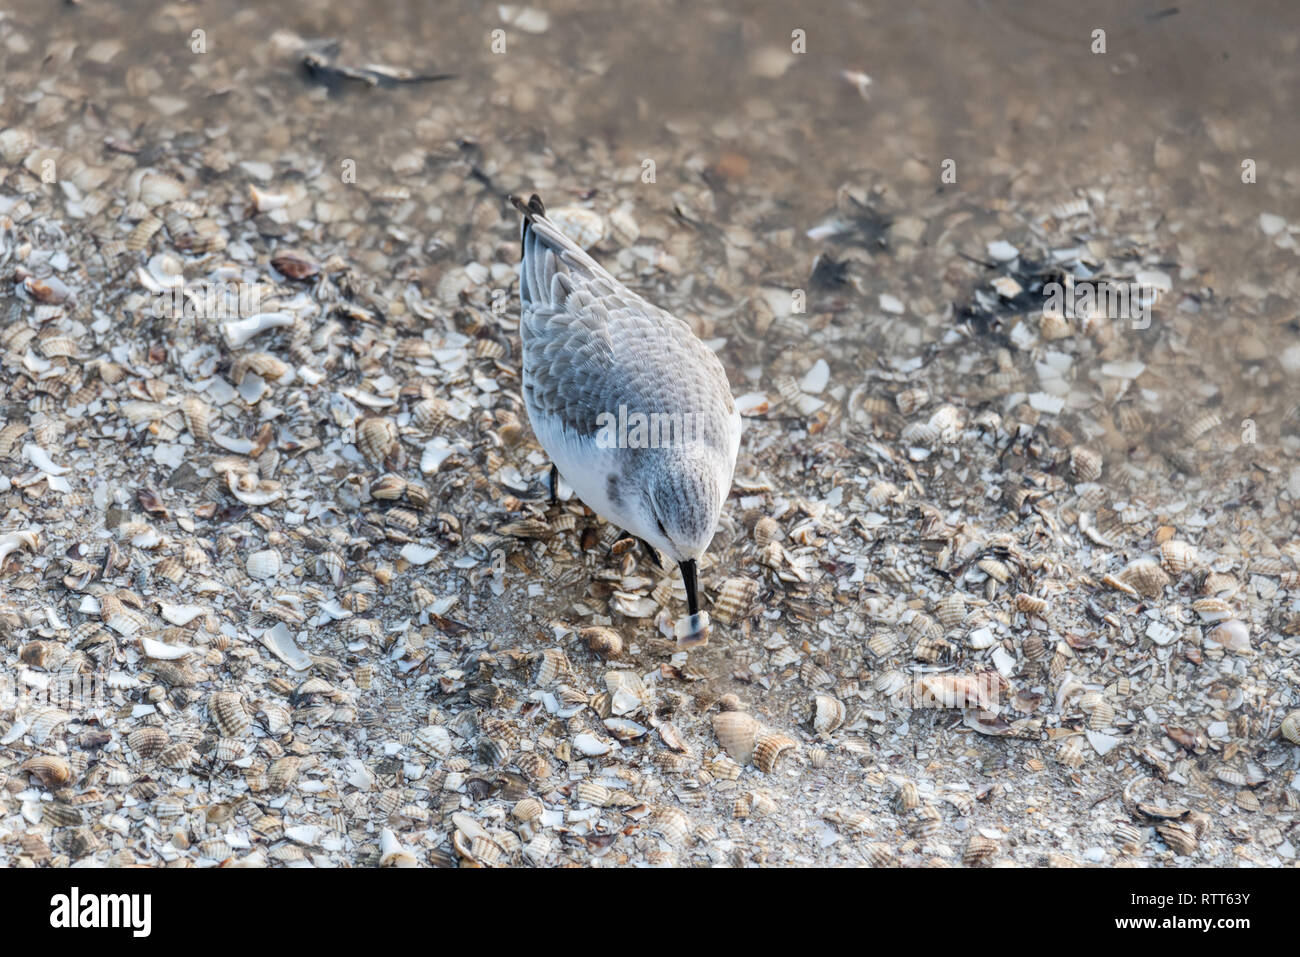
280	580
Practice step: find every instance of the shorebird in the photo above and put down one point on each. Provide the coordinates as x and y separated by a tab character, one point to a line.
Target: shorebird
597	359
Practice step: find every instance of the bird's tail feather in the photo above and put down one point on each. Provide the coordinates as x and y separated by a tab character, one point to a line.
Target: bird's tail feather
546	252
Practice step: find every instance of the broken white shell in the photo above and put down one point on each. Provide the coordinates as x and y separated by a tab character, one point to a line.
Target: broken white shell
239	331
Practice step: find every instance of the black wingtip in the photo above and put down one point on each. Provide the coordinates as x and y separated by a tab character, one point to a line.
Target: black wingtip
534	206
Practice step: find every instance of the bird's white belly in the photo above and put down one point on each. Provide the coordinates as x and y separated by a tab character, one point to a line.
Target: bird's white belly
586	468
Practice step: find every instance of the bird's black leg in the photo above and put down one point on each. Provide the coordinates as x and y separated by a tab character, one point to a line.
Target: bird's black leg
555	484
688	579
693	630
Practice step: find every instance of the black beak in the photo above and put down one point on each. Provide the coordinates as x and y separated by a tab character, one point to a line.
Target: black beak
688	579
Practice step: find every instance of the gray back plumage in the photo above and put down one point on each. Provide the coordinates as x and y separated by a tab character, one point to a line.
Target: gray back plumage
591	344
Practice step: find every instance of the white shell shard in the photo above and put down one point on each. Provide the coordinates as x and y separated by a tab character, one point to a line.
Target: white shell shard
1161	633
41	459
163	651
180	614
392	853
237	332
625	729
1271	223
1102	743
232	444
437	451
1002	251
590	745
816	379
753	403
16	540
280	643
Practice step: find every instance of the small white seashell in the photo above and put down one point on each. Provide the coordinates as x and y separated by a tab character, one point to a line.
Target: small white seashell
163	651
1231	634
245	487
433	739
263	564
418	554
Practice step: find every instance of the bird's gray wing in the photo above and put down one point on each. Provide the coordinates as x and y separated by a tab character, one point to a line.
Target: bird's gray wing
591	344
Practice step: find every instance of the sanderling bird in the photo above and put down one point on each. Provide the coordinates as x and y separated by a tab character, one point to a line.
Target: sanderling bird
599	359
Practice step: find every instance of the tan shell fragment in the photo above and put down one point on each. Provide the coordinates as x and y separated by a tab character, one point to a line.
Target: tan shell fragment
737	732
1085	464
1146	577
148	742
605	642
593	793
228	714
1072	754
264	365
277	717
736	600
766	531
908	797
376	439
1179	835
51	770
528	809
388	487
828	713
910	400
1290	727
283	772
769	747
673	823
1177	557
880	855
995	569
978	850
554	663
951	609
1212	609
1031	605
